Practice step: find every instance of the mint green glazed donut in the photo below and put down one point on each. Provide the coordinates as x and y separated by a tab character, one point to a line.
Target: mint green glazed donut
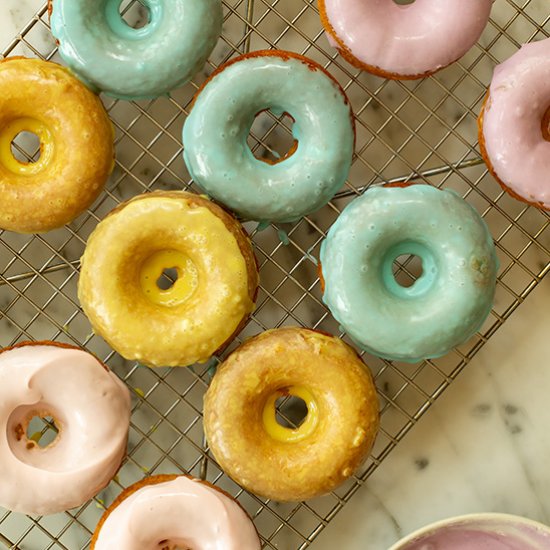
215	136
112	57
446	305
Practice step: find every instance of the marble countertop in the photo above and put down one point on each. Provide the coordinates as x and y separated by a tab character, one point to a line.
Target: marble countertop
484	445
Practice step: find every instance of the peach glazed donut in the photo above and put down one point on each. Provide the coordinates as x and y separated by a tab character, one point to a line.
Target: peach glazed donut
168	512
76	146
335	437
403	41
90	407
126	255
514	125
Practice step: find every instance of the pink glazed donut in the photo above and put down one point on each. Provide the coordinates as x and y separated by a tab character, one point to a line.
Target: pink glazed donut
514	125
403	41
90	407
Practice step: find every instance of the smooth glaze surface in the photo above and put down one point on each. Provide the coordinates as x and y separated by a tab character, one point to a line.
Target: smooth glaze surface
181	511
480	532
519	97
128	63
90	407
76	141
408	40
444	307
215	137
210	299
320	454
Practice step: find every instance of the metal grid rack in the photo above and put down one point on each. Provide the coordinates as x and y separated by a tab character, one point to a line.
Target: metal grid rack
406	131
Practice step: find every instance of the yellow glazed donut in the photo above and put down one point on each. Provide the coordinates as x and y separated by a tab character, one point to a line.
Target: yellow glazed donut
215	290
335	437
76	146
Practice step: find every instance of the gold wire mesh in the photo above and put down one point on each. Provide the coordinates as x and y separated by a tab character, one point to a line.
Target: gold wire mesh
406	131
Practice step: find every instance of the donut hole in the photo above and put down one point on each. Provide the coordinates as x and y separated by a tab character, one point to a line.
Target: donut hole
404	2
168	278
290	411
42	431
25	147
546	125
134	14
173	545
270	138
407	269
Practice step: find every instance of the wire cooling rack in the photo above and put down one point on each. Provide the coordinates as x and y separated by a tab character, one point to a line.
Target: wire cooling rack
406	131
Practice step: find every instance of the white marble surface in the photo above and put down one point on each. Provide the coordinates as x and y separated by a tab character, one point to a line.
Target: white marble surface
485	445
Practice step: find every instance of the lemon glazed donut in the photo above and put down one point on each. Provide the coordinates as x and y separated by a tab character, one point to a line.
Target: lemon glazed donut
90	407
444	307
168	512
403	41
215	135
514	125
335	437
111	56
76	146
215	290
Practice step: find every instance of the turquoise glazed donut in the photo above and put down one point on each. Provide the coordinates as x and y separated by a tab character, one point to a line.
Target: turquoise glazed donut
110	56
446	305
215	136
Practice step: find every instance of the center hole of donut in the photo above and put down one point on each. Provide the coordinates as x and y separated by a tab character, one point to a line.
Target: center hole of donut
135	14
407	268
546	125
41	431
169	545
25	147
270	138
404	2
290	411
168	278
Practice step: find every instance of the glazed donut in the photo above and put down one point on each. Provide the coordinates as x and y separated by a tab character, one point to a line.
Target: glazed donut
403	41
91	409
210	300
514	125
336	436
446	305
216	131
76	146
169	512
127	63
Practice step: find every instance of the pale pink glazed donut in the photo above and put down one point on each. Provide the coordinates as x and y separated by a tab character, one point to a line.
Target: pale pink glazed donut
514	124
90	407
169	512
404	41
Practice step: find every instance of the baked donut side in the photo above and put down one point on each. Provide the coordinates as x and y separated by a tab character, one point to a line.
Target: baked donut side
210	300
76	145
274	461
243	535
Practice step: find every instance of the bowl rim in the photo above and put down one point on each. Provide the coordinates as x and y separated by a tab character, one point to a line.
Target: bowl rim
491	517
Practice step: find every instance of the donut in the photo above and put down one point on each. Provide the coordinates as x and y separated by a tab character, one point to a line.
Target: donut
335	437
175	511
215	136
444	307
403	42
514	125
127	63
215	290
76	146
90	407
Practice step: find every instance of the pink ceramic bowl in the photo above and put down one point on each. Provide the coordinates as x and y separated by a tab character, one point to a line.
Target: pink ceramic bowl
479	532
